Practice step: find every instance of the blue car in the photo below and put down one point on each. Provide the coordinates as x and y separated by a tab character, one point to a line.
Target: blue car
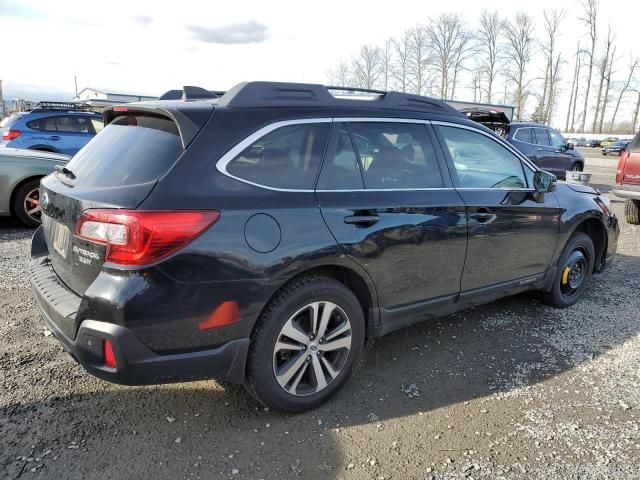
51	127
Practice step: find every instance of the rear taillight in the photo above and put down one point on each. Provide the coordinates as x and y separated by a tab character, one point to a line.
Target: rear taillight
621	164
11	134
140	237
109	356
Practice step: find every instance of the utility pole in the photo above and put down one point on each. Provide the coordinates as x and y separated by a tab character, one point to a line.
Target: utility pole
75	80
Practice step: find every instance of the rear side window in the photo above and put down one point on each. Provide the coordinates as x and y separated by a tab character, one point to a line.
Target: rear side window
340	170
542	137
396	155
525	135
73	124
132	149
288	157
35	124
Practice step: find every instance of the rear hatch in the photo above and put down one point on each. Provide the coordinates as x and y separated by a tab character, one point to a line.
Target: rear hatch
629	164
117	169
494	119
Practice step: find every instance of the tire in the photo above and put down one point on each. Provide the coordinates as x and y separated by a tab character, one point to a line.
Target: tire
632	211
301	387
567	288
21	203
576	167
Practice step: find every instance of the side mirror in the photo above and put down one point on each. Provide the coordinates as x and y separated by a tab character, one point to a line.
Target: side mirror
570	146
543	181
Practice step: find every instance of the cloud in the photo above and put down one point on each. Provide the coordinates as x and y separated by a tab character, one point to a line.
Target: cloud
241	32
13	8
143	19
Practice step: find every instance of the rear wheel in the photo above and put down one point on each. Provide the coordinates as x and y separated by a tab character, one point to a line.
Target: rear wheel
574	272
576	167
305	344
632	211
26	203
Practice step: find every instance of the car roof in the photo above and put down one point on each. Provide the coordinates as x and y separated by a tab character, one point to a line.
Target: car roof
531	124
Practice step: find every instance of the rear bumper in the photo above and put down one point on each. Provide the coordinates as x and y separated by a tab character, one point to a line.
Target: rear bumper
136	364
627	191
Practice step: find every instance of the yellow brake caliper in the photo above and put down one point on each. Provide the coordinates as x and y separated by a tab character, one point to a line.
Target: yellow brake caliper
565	275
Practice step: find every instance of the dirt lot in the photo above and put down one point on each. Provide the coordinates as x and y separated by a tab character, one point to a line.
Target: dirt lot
511	390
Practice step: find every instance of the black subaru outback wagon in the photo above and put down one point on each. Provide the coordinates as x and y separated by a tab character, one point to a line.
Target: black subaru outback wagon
261	237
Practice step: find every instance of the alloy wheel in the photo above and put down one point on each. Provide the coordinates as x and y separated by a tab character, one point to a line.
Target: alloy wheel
312	348
32	205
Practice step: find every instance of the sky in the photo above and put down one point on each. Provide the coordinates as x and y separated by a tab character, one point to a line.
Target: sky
148	47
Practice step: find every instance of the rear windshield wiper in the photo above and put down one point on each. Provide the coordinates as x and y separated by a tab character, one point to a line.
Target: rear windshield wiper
65	171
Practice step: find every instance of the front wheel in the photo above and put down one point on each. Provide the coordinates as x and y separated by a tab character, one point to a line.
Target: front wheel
632	211
574	272
305	344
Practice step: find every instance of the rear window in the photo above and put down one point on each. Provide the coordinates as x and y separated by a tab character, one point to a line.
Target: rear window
132	149
5	122
288	157
635	144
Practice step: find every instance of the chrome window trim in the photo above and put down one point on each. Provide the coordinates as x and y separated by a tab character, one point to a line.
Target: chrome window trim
221	164
380	120
499	141
238	148
426	189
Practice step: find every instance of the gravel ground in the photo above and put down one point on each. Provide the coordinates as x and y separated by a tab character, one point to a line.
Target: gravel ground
513	390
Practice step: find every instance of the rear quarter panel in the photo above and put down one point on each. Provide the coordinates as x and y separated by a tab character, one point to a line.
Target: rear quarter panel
16	169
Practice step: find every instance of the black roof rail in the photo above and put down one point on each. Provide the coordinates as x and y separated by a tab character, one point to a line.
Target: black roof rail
280	94
190	93
63	106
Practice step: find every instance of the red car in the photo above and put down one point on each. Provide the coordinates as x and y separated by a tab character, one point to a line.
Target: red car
628	180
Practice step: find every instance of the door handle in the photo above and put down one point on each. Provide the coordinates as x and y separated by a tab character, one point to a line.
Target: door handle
54	138
483	217
362	220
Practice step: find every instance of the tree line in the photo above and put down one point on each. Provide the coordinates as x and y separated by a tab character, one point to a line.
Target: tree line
495	57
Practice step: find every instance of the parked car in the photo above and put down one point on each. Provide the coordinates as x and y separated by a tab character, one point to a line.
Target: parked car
262	237
616	148
546	147
20	174
594	142
543	145
580	142
58	127
628	180
608	141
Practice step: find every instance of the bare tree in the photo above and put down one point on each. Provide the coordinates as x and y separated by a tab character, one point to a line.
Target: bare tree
605	98
367	66
449	42
386	60
402	48
634	121
518	35
490	49
419	59
603	68
552	20
571	111
341	75
633	64
463	51
590	19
